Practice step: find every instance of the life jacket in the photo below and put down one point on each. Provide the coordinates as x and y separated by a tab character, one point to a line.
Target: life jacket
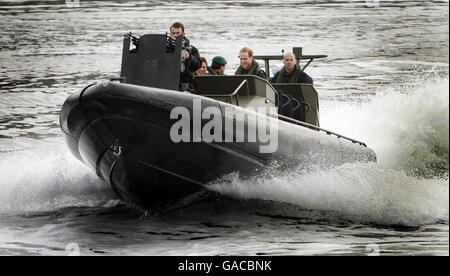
213	72
252	71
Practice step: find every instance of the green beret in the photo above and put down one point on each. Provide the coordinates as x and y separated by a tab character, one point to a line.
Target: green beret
220	60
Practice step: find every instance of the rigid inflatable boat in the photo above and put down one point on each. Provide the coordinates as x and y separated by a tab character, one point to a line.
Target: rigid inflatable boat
156	145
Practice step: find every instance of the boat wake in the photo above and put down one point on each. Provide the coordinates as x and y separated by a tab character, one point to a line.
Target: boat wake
362	192
47	178
409	130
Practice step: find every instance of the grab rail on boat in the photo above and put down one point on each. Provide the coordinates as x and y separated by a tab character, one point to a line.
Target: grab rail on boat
297	122
231	94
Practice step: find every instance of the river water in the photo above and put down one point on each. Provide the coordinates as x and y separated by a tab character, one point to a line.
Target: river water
385	82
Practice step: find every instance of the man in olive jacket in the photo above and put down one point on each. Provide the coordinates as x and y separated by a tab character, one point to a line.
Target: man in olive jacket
291	72
248	65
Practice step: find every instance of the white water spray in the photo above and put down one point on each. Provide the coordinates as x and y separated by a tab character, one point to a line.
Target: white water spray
409	132
47	178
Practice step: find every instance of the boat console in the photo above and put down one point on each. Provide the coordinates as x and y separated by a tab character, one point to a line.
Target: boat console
156	60
244	90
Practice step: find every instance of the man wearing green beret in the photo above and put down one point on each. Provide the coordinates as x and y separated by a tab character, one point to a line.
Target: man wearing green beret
217	66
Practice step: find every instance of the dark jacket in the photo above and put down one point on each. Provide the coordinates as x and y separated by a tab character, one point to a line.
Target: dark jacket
294	76
190	65
254	70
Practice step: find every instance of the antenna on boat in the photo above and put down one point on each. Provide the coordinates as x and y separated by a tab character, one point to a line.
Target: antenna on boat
284	24
298	54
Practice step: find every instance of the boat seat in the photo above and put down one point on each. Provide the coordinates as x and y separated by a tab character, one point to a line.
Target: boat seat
285	107
292	107
308	98
296	110
224	86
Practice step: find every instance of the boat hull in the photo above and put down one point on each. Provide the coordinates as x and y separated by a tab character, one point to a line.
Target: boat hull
123	132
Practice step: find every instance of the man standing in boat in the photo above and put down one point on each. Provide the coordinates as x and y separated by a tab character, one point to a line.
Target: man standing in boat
217	66
291	72
248	65
190	58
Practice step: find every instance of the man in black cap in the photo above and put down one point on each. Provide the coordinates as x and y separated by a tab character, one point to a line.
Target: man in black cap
190	58
217	66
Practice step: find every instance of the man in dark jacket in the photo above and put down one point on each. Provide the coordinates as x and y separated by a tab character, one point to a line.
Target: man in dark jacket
291	72
190	58
248	65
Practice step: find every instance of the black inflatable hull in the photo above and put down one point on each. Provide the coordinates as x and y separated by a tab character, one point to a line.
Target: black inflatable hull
122	131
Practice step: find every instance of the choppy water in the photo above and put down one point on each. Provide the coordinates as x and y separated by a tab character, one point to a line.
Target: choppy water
385	82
